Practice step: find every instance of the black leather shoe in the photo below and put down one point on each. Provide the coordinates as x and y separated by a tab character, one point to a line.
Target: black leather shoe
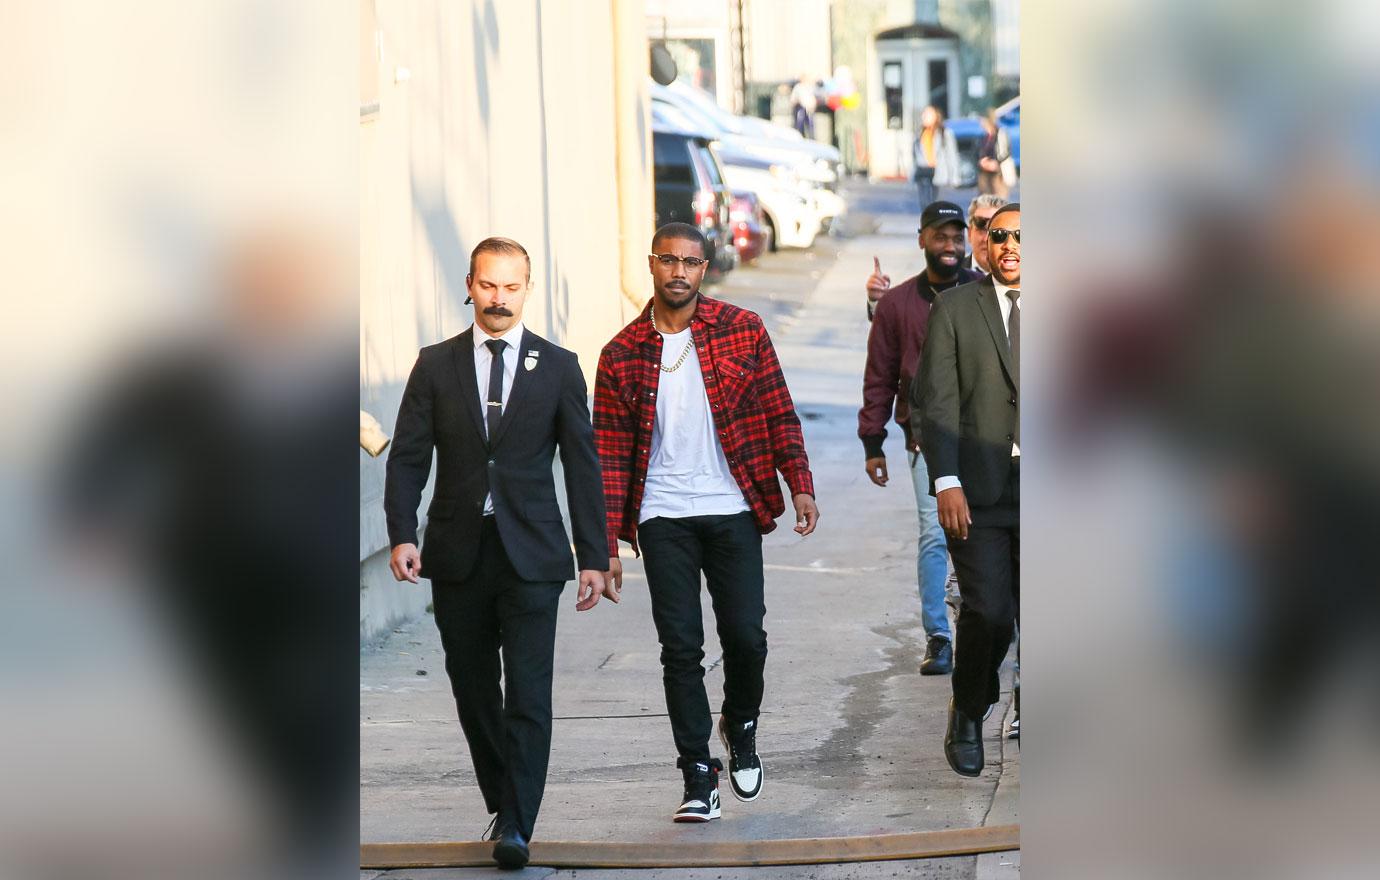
511	850
963	743
939	657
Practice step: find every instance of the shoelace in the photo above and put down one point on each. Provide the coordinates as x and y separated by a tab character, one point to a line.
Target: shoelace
485	835
743	742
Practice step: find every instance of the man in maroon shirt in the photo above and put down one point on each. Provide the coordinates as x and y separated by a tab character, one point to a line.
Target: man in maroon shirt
693	422
899	322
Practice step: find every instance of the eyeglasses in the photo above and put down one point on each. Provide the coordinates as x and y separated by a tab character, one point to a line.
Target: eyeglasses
999	236
670	260
980	223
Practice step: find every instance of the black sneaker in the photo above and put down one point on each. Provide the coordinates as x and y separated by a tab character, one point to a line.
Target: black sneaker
700	802
744	767
939	657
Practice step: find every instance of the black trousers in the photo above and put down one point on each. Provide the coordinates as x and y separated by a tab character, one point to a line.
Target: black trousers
728	550
988	565
493	612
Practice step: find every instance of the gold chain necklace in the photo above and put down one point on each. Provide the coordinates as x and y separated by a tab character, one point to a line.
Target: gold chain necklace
680	361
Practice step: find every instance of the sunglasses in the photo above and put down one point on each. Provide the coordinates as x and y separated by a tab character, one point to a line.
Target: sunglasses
999	236
980	223
669	260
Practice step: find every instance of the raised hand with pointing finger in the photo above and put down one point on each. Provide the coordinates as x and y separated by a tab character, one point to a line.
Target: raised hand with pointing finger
878	283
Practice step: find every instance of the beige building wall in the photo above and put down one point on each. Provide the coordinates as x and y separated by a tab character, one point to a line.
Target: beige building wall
490	118
788	38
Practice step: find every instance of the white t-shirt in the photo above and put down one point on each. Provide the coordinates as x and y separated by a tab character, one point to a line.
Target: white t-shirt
687	473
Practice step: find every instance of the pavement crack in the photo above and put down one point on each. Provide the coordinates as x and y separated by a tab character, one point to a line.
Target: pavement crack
606	661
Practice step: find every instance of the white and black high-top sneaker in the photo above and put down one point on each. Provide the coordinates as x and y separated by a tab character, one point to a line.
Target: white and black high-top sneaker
744	767
700	802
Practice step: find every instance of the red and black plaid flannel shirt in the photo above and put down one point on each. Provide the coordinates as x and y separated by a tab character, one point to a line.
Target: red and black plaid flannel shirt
748	398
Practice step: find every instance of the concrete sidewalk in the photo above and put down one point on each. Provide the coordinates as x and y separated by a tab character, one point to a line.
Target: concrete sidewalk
850	733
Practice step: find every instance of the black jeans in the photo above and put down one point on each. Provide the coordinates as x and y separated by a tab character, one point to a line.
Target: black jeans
494	612
728	549
988	566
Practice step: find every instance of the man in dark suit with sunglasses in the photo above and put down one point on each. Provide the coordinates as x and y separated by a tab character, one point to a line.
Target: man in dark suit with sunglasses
966	411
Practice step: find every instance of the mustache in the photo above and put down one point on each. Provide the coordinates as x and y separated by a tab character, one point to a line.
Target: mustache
498	310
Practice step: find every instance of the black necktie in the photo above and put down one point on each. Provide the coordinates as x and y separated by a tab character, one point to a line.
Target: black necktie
1013	334
1013	329
494	409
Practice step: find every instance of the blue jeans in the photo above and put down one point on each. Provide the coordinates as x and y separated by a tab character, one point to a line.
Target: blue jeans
932	563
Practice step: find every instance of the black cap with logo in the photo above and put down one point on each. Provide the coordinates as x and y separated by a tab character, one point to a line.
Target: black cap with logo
939	213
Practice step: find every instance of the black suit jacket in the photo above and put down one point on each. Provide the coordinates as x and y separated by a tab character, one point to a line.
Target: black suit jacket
547	407
965	404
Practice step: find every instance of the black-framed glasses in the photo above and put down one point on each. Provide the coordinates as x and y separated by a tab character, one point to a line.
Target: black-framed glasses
980	223
999	236
670	260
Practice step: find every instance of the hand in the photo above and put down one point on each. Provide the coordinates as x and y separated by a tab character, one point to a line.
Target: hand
591	588
613	580
877	283
405	562
953	513
876	470
806	514
987	163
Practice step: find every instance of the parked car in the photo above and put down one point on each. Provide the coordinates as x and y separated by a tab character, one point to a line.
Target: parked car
690	188
826	158
738	143
790	214
751	231
788	210
1009	118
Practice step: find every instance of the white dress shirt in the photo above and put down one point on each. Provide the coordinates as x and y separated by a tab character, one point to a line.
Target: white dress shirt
483	359
1004	302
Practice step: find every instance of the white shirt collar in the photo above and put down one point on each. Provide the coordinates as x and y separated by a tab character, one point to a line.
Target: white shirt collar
513	336
1001	288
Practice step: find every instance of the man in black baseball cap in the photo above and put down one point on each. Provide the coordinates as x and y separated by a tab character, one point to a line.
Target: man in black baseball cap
900	319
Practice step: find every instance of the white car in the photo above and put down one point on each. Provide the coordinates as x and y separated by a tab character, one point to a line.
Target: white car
794	218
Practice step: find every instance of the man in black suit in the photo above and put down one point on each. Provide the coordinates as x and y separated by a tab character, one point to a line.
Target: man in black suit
966	411
494	403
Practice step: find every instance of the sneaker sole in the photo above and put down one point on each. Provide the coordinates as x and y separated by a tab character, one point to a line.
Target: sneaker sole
761	780
694	819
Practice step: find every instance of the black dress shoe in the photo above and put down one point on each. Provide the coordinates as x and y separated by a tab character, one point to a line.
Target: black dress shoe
939	657
963	743
511	850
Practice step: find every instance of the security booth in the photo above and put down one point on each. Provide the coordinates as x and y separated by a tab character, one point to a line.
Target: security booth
913	66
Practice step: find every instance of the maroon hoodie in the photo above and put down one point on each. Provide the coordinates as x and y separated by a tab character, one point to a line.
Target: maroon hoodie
899	325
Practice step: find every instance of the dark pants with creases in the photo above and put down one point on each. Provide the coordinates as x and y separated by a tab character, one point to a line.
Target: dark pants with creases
988	565
494	612
728	550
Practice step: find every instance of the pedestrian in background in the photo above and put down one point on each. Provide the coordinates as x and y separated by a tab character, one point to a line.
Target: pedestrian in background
936	155
996	168
803	104
693	420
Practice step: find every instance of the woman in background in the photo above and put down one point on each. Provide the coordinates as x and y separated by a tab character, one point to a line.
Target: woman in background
936	155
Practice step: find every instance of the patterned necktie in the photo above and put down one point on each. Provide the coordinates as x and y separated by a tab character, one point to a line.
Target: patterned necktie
494	410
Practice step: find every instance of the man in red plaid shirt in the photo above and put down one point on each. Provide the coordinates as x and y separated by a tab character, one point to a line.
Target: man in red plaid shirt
693	420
